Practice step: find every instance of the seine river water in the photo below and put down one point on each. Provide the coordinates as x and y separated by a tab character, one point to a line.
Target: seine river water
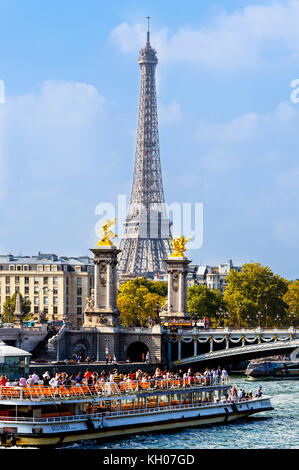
277	429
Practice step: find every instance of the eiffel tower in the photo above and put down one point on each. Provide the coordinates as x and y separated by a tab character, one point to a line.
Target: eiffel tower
145	243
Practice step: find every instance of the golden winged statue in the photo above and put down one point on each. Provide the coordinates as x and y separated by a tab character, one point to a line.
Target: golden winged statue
179	246
107	235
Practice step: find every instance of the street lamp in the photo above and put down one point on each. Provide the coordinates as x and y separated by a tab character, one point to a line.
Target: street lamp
260	316
240	306
292	318
277	320
247	320
226	315
220	315
266	313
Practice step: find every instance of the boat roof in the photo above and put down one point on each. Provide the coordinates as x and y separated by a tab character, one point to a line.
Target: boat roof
8	351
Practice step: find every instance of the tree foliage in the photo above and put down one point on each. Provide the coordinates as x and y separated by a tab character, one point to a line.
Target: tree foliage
255	289
139	301
291	298
9	308
203	302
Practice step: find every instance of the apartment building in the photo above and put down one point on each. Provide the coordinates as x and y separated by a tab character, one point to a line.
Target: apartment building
56	286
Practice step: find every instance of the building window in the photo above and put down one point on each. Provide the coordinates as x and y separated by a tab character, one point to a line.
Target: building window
45	290
17	279
35	289
45	280
79	290
55	290
45	300
11	267
35	300
46	310
54	267
55	310
26	268
26	280
79	310
55	300
47	268
26	289
35	309
39	268
7	279
79	281
36	280
67	300
19	268
67	290
7	289
79	300
17	289
67	281
55	280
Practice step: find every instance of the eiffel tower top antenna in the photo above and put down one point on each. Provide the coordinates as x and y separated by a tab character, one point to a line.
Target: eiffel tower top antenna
148	30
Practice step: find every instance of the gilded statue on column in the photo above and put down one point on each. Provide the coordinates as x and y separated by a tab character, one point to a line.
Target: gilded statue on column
179	246
107	234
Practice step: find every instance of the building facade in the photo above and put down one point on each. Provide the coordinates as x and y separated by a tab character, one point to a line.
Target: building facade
57	287
214	277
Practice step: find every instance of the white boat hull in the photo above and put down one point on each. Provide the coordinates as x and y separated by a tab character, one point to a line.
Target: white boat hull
119	425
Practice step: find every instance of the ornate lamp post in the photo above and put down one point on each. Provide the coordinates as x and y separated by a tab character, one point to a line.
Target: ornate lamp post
277	320
260	316
240	307
226	319
266	313
220	314
292	318
248	318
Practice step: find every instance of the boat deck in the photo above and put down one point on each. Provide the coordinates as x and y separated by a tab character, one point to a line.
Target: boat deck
40	393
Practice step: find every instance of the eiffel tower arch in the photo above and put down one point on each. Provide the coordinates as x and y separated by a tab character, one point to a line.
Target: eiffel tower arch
145	243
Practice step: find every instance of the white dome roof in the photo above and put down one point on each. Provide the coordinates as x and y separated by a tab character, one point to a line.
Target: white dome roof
8	351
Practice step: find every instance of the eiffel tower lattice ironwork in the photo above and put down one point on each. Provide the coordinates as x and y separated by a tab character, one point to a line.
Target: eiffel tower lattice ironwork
146	243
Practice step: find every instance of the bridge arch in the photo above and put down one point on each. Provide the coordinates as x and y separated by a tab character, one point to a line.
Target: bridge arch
136	351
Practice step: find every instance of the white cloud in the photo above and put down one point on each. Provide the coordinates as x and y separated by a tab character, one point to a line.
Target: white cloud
170	113
246	38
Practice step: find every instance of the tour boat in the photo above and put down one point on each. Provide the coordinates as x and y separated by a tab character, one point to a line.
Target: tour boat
259	369
40	416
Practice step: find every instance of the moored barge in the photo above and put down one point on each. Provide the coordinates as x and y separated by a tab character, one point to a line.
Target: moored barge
42	416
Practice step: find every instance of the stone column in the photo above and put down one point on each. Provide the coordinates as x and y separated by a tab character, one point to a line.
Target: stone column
177	268
102	309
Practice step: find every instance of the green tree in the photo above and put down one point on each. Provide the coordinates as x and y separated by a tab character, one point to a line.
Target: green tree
204	302
139	302
9	308
255	289
291	298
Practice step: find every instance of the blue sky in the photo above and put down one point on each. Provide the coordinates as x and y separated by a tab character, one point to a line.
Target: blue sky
228	128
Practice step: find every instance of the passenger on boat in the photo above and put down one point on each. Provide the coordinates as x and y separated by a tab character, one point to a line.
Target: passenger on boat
3	380
22	382
35	377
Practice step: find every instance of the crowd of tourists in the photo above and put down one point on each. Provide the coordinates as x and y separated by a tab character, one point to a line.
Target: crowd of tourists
90	378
